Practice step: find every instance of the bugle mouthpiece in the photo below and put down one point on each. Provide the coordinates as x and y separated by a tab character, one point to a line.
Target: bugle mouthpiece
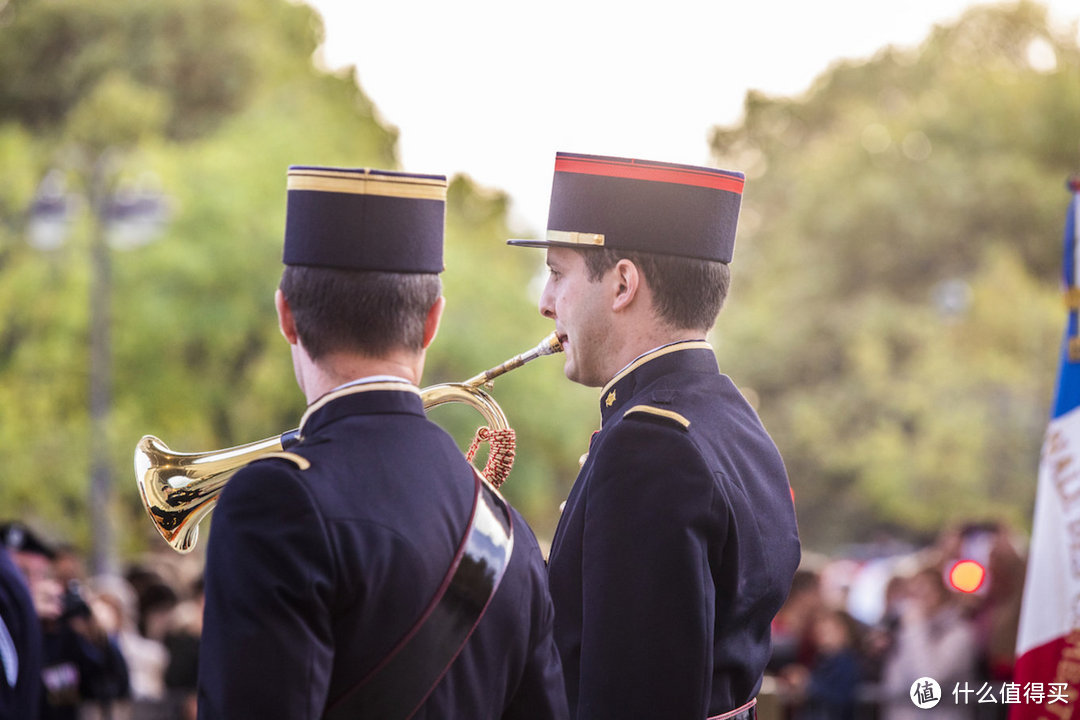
548	346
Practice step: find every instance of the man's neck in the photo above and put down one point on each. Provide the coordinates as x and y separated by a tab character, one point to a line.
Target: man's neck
319	378
643	341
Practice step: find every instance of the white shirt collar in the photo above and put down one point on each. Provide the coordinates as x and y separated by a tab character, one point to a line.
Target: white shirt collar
372	379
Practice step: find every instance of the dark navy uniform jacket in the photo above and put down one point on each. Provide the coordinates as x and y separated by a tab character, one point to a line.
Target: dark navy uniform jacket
314	575
675	549
20	645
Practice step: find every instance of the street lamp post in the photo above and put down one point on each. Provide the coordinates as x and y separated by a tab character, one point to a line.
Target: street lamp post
122	219
101	559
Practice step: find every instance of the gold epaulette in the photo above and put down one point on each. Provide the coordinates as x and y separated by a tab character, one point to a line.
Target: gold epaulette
301	462
658	412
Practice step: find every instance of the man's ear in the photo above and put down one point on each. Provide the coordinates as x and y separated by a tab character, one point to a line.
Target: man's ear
628	279
431	324
286	323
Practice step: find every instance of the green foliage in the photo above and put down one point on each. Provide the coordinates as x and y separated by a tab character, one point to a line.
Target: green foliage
95	125
202	57
895	307
196	355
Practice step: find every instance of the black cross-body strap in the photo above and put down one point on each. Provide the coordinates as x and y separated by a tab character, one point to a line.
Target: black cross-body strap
397	687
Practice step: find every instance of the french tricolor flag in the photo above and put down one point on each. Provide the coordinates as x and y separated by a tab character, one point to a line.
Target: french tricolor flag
1048	644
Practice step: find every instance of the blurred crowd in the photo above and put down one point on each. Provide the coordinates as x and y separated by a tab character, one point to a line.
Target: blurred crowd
854	634
115	647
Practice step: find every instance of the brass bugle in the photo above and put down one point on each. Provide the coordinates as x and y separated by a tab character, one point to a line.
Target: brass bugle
179	489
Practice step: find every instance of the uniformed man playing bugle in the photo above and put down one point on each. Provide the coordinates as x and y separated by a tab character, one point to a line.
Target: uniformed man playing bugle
367	572
678	541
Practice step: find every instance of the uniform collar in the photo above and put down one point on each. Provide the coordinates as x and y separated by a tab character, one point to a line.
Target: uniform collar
685	355
371	379
373	395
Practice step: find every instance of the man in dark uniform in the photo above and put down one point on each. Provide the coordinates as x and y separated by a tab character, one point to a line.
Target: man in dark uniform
20	635
367	572
678	541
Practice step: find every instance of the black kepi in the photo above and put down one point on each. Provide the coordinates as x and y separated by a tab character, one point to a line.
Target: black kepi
363	219
642	205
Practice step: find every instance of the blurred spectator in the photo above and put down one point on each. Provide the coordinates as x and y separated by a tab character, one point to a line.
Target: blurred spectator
791	641
149	614
792	645
994	607
828	688
934	640
157	601
68	565
145	658
878	640
182	642
20	644
81	664
997	617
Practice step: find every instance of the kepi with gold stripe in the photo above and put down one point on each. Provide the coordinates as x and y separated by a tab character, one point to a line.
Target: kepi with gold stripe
364	219
642	205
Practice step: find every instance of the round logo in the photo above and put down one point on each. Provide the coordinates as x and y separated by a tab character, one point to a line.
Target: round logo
925	693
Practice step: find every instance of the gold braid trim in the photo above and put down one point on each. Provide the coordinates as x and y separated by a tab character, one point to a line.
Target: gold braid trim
500	456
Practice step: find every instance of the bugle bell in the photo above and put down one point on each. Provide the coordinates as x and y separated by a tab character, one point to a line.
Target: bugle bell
179	489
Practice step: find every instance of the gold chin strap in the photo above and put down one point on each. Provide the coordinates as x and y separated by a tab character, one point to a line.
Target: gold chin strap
575	238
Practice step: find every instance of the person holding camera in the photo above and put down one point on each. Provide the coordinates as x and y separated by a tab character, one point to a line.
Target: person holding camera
80	663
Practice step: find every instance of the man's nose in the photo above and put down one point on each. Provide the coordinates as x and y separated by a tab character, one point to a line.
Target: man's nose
547	304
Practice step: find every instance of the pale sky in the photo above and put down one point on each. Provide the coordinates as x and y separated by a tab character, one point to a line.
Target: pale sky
493	88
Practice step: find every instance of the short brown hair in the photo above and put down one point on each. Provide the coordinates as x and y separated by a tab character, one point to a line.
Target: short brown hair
366	311
687	292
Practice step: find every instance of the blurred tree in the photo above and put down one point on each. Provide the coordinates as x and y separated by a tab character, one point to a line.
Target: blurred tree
102	94
199	57
210	101
895	306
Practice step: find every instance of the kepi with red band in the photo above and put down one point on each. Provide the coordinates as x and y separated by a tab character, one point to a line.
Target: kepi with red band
642	205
